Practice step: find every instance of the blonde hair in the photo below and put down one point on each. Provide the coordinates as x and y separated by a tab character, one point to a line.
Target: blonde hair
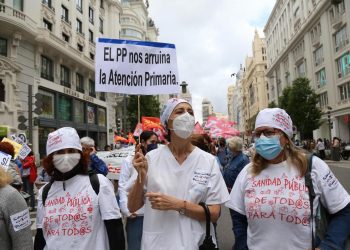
235	143
295	155
5	178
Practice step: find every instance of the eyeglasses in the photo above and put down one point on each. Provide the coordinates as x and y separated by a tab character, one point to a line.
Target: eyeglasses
267	132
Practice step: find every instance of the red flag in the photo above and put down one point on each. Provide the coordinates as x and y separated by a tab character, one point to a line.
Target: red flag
198	129
149	123
138	129
131	138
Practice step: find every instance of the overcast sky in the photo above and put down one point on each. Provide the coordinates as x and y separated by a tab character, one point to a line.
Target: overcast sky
212	39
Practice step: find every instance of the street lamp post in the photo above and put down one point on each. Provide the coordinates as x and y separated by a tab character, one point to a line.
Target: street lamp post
330	123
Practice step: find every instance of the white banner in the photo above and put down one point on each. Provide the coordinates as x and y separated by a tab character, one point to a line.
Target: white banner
136	67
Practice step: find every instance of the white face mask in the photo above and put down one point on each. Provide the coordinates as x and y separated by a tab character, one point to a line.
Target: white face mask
66	162
183	125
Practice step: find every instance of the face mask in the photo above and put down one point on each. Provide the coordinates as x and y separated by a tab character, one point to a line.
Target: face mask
66	162
151	146
184	125
268	148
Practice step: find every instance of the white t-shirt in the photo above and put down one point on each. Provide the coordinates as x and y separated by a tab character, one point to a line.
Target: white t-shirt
198	179
127	177
73	218
276	203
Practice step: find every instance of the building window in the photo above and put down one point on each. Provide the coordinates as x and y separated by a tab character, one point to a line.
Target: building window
301	70
103	96
343	65
18	4
102	117
341	38
101	4
3	46
48	3
48	104
132	33
92	56
79	4
2	91
79	26
47	24
92	88
65	37
318	56
79	111
65	76
65	108
251	95
323	100
46	68
64	15
91	114
80	47
101	25
91	36
79	83
321	78
91	15
344	91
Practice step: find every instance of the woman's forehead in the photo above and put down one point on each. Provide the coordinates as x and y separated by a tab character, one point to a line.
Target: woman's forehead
183	105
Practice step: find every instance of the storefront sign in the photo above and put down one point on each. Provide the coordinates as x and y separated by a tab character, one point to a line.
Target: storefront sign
76	94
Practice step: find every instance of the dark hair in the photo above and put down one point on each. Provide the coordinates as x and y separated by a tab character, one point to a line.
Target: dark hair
145	135
107	146
47	163
7	148
202	141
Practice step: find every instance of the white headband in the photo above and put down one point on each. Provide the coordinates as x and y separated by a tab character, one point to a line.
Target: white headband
168	109
275	118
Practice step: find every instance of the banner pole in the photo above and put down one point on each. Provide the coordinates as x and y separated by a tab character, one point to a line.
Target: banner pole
138	112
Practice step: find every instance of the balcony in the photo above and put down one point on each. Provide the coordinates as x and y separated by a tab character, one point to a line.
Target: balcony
18	18
65	19
48	6
337	19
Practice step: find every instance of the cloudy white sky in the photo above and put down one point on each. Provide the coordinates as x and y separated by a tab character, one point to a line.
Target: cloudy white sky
212	39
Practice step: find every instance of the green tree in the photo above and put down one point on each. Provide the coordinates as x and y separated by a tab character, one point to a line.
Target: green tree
300	102
272	105
149	106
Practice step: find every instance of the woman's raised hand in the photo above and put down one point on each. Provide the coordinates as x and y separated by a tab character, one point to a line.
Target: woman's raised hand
140	162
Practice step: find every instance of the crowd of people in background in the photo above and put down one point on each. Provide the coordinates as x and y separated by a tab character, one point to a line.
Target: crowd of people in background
162	190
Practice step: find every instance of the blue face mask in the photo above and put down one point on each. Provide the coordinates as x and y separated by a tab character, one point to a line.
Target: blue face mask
268	148
151	146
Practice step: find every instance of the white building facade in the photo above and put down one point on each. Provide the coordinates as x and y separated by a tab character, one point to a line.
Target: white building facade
311	39
207	110
48	47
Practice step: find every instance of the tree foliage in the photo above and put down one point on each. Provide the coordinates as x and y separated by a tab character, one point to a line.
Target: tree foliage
272	105
149	106
300	102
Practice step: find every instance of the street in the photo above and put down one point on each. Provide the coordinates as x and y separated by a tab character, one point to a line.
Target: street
224	229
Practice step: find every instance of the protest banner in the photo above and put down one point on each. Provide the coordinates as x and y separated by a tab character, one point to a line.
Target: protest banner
136	67
24	152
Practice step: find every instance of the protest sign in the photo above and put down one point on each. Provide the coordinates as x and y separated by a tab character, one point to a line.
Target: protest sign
16	146
20	220
25	150
5	160
136	67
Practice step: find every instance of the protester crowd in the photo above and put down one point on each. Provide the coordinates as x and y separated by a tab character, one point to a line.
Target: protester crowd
167	193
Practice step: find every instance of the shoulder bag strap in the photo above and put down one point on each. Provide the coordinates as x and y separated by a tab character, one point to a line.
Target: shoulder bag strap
312	195
207	218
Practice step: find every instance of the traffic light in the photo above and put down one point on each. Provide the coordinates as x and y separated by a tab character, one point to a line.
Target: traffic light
38	104
22	119
119	124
